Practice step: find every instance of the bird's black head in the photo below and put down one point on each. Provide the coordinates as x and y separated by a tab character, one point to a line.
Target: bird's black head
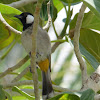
26	18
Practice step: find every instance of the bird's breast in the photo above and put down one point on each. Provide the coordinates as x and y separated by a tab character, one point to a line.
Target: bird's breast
43	45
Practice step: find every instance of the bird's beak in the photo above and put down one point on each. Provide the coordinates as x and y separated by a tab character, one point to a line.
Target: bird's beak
18	16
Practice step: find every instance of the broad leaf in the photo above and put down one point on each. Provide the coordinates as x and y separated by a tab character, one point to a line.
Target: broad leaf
89	58
91	21
90	40
94	6
58	4
87	95
6	36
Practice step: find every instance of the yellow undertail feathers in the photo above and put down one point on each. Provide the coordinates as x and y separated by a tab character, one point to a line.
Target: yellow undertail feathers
44	65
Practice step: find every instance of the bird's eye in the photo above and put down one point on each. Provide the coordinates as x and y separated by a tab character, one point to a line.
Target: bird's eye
25	15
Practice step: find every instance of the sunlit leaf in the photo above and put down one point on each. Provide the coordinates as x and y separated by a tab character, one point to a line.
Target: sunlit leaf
66	96
19	98
6	36
58	4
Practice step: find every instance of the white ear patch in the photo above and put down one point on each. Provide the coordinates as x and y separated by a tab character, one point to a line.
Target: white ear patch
29	19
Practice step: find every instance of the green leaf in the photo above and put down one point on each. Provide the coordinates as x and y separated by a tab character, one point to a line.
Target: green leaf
66	96
90	40
72	2
43	12
6	36
2	94
89	58
94	6
56	97
8	10
54	12
19	98
58	4
16	89
69	97
87	95
91	21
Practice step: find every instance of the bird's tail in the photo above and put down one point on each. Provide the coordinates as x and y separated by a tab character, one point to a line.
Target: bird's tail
47	90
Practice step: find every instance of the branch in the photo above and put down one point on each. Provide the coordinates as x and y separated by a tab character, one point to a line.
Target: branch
8	26
21	3
28	91
55	46
9	70
33	52
30	82
21	75
55	29
76	44
93	81
97	97
46	27
19	83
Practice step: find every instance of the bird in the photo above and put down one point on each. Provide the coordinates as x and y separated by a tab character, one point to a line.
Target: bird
43	51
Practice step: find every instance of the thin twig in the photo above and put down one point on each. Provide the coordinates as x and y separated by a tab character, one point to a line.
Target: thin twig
8	26
76	44
34	46
46	27
55	29
19	83
21	75
28	91
55	46
21	3
18	65
30	82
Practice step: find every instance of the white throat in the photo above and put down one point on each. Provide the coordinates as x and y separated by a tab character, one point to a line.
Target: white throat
29	19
